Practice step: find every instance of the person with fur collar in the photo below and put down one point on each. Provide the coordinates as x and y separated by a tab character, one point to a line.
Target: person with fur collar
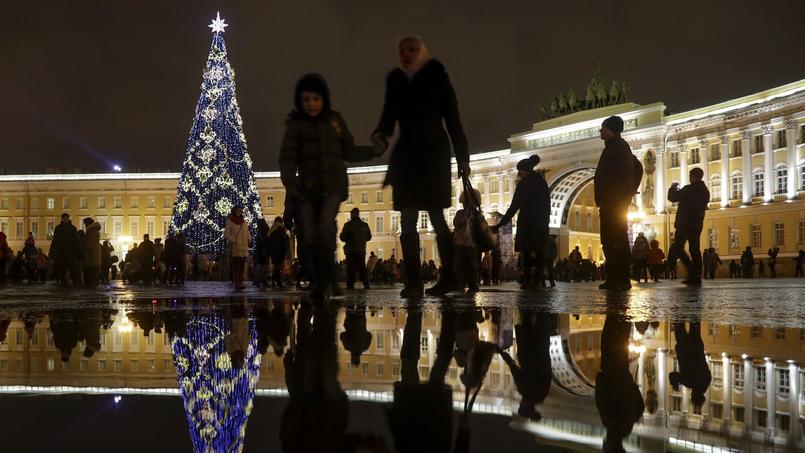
420	98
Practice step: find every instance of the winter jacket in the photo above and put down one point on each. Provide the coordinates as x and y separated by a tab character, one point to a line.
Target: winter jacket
462	235
64	245
617	175
355	235
419	167
5	251
278	243
174	250
532	199
92	245
145	251
694	373
692	199
655	257
239	237
313	153
640	248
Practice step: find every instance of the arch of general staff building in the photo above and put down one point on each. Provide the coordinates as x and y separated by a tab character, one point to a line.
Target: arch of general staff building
750	149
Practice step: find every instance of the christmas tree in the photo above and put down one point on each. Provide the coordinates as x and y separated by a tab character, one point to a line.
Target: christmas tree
217	170
217	396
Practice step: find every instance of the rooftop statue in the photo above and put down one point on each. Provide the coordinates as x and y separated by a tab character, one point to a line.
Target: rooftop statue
597	96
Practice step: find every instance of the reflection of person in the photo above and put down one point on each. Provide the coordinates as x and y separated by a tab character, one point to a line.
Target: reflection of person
355	235
617	177
617	397
355	338
532	372
693	370
692	199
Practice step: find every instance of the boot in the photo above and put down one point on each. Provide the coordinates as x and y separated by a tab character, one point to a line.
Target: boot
447	280
414	287
322	267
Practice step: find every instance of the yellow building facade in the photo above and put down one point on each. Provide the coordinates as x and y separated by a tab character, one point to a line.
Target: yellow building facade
750	149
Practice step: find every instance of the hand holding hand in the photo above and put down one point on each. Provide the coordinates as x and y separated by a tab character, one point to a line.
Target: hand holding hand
379	143
495	228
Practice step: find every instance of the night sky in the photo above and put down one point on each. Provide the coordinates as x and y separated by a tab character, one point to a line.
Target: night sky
91	83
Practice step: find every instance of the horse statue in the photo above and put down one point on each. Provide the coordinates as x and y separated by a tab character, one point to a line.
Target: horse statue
625	91
562	104
614	93
600	96
571	100
589	101
554	107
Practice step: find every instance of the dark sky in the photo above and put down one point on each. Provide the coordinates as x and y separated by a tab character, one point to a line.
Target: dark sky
91	83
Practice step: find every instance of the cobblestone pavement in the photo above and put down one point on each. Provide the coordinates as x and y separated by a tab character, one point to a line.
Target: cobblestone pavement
763	302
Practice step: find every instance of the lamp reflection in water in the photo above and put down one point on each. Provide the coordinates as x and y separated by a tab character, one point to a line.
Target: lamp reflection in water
217	394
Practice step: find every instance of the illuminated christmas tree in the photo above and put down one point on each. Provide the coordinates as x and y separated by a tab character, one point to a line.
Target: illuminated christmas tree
217	396
217	170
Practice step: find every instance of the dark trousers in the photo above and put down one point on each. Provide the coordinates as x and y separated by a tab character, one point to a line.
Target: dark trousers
409	218
276	270
318	220
693	263
466	267
615	242
66	266
148	271
356	264
238	267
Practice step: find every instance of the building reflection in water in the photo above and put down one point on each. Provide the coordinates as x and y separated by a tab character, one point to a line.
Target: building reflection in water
570	380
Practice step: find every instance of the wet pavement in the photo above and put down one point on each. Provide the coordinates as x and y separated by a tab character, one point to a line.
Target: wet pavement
572	368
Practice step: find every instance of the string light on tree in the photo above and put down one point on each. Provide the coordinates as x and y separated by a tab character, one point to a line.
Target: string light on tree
217	170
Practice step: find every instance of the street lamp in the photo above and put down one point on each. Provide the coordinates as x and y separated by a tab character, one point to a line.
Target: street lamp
117	168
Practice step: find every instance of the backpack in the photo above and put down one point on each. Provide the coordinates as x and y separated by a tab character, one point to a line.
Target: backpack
637	173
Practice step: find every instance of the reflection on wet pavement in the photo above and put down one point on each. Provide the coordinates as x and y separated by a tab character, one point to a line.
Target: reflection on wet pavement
503	371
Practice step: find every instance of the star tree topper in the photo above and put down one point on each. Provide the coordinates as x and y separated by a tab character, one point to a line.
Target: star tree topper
218	25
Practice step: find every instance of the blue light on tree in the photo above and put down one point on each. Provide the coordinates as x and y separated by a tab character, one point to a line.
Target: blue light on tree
217	170
217	397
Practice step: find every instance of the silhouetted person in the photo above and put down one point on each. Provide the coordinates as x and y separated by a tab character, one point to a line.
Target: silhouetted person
617	397
761	269
748	263
693	370
278	244
65	251
617	178
355	235
773	252
692	199
355	338
145	254
532	372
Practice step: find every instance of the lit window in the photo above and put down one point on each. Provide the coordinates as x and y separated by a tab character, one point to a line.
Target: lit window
101	202
715	188
150	202
737	185
270	201
757	178
779	234
65	203
781	174
378	223
379	196
364	197
134	202
51	203
756	234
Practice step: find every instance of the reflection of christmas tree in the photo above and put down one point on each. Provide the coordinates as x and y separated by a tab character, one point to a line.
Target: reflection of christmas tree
217	397
217	170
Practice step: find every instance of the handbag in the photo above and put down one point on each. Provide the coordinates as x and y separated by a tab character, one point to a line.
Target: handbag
482	235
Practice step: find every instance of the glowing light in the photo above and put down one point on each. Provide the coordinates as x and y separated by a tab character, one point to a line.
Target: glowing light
744	356
218	25
117	399
117	168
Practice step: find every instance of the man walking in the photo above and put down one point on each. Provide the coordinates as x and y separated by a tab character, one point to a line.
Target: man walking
355	235
64	249
692	199
616	180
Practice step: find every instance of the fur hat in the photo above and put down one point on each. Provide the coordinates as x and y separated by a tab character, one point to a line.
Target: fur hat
313	83
528	164
613	123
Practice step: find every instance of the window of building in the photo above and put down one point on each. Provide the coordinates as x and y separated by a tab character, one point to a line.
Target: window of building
783	383
783	422
380	369
378	224
715	188
781	178
674	157
676	404
166	202
82	203
117	365
152	365
737	185
395	222
349	198
801	235
101	365
758	148
134	202
695	158
51	203
20	204
736	149
101	202
779	234
423	220
270	201
34	204
712	330
760	378
150	228
364	197
780	141
102	223
150	202
738	414
20	230
134	228
802	177
51	225
715	152
757	332
735	237
779	333
65	203
757	180
577	218
134	365
3	204
118	202
117	227
589	221
756	235
380	340
735	331
35	228
760	418
712	238
379	196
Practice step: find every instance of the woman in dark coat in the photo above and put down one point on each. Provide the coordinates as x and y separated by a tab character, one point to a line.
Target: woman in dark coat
421	99
312	164
531	198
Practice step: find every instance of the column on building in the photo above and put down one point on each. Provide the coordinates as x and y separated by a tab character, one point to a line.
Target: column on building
749	393
659	181
639	197
512	184
683	164
662	380
725	170
795	427
704	155
685	400
709	394
501	196
771	397
791	159
768	164
641	372
726	370
746	152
